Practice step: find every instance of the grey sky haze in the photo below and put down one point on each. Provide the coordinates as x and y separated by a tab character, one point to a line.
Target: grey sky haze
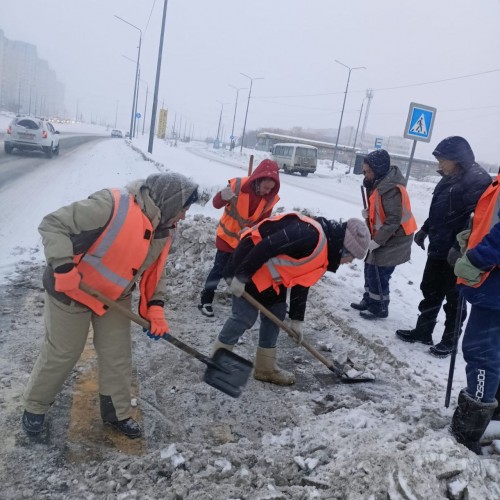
293	45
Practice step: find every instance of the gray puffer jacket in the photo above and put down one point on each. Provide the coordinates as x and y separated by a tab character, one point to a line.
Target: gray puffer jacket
395	245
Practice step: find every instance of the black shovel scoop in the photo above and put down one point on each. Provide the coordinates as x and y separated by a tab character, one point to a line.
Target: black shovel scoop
225	371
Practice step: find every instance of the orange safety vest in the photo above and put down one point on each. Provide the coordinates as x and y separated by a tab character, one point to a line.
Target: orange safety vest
485	217
236	213
377	214
113	260
286	270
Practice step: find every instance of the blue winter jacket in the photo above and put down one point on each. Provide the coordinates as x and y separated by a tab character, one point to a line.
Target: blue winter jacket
453	200
485	256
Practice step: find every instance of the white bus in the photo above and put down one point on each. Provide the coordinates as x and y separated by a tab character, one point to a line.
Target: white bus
293	157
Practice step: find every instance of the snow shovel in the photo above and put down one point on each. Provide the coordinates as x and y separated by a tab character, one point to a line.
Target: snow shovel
341	371
225	371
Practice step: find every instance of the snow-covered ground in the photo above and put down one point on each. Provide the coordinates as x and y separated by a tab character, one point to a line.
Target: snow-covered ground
317	439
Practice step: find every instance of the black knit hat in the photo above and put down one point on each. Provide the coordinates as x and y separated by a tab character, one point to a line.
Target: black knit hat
379	161
456	149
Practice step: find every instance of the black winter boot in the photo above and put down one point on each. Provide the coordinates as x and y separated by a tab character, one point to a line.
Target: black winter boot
128	426
443	349
360	306
33	423
496	413
421	333
470	420
376	310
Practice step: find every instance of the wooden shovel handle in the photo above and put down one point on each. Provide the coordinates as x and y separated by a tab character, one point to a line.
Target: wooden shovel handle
291	333
115	305
145	324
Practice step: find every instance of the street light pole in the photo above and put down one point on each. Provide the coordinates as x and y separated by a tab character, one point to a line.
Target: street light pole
157	80
234	116
220	119
343	106
145	105
132	118
116	112
356	135
248	104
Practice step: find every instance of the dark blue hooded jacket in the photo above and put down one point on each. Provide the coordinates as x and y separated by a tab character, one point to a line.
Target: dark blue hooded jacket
454	197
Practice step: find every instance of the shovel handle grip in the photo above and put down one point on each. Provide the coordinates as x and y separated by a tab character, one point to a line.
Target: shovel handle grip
291	332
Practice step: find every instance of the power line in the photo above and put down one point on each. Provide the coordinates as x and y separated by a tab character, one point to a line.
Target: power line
383	88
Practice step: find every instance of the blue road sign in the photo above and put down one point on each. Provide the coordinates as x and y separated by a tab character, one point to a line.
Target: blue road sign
420	122
138	115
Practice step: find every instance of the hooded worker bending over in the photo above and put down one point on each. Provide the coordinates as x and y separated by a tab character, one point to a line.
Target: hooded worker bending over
285	251
110	241
246	201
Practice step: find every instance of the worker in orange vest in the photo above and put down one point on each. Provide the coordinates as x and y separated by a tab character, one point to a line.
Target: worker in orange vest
478	272
392	226
286	251
246	201
111	241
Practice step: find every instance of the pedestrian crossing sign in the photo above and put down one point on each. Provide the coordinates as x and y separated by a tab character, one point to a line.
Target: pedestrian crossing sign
420	122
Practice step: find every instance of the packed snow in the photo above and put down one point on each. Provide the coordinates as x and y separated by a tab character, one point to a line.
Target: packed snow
317	439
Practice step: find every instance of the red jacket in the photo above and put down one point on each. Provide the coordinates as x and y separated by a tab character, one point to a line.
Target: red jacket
266	169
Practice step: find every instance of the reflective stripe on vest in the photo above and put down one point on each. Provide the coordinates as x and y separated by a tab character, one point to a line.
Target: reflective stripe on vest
286	270
236	213
113	260
377	214
95	258
485	217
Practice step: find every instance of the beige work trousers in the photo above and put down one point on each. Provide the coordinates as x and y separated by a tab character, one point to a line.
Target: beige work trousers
66	331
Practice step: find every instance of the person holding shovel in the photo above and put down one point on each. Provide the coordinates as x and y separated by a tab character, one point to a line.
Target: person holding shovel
246	201
391	225
111	241
286	251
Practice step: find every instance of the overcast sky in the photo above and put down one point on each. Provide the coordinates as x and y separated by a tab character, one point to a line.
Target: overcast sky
293	45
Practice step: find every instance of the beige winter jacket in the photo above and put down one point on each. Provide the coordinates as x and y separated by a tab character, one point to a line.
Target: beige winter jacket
72	229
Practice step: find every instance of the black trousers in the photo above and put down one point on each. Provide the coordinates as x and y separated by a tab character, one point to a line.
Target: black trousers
214	276
439	283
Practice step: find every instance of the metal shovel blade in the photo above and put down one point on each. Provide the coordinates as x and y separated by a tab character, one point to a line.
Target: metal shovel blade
228	372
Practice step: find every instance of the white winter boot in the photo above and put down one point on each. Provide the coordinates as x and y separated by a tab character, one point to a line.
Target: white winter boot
266	369
220	345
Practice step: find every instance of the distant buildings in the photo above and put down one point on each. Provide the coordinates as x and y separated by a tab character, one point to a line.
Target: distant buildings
27	83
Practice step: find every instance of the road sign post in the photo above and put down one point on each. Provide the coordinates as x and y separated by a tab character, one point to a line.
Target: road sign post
419	125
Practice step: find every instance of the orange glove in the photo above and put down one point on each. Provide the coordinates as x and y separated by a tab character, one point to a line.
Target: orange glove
66	282
156	317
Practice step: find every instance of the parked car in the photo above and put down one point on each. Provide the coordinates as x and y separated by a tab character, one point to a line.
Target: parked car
116	133
28	133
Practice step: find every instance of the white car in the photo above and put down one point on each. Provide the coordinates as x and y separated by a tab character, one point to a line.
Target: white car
116	133
28	133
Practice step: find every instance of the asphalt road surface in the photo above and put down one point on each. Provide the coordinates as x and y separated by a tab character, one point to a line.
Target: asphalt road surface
18	164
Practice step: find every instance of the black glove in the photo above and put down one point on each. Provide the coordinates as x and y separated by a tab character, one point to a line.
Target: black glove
453	255
419	238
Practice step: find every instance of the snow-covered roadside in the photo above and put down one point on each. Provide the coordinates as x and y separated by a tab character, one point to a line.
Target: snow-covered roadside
317	439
